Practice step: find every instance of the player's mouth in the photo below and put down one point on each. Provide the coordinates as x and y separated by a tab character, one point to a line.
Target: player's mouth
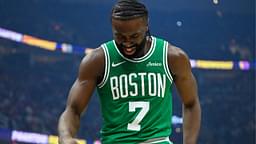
129	50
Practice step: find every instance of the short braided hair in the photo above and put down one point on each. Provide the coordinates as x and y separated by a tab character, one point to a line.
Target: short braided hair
129	9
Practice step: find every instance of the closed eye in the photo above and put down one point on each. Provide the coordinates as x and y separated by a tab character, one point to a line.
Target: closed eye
135	35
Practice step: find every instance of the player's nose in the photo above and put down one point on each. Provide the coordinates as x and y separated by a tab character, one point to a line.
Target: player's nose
128	43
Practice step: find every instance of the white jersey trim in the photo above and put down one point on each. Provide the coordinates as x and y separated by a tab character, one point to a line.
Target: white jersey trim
166	67
157	140
141	59
107	66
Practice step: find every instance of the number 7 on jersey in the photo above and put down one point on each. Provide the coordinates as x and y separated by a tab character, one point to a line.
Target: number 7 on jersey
134	125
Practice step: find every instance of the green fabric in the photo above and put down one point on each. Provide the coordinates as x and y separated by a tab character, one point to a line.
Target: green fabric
135	95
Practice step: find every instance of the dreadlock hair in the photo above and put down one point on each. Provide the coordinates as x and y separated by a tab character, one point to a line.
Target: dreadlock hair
129	9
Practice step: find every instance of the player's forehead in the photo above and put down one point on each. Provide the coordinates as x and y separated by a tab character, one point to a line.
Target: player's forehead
128	26
129	33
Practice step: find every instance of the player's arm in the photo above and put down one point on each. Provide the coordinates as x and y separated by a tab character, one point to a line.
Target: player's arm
90	71
187	88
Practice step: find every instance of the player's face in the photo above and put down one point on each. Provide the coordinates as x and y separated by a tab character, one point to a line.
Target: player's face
130	36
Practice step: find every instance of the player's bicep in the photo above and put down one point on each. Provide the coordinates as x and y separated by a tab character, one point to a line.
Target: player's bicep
187	88
79	95
83	87
183	77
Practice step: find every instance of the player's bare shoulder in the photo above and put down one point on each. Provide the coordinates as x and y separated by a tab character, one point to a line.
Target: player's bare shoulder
92	65
178	60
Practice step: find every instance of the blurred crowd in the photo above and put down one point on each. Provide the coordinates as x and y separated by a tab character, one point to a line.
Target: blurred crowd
34	87
228	106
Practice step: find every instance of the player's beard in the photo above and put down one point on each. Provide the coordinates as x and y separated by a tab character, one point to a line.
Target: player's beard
135	50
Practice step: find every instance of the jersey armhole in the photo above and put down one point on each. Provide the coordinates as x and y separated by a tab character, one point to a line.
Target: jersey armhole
107	65
166	67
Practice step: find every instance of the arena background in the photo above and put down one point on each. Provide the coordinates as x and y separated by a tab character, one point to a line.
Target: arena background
43	41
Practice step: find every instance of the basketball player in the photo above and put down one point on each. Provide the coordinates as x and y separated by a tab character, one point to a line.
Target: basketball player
133	75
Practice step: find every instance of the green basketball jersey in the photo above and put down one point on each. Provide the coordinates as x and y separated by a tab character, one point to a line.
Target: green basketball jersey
135	95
